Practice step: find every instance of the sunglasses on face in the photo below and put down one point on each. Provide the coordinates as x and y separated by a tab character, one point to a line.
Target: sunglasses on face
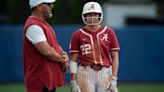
49	4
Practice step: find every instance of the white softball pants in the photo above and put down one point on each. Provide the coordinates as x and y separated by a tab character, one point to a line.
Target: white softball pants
90	80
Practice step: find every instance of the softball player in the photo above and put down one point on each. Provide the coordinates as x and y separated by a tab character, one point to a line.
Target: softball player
97	48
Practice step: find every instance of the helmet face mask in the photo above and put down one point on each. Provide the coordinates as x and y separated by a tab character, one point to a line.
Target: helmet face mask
92	7
93	20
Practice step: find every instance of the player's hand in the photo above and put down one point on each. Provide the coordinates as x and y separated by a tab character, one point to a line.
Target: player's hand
112	86
74	86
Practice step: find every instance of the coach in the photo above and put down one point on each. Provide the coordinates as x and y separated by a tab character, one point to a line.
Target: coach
44	59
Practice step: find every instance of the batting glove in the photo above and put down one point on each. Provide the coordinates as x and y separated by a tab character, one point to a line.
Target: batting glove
112	86
74	86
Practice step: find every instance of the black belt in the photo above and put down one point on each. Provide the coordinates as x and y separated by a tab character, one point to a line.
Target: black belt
96	67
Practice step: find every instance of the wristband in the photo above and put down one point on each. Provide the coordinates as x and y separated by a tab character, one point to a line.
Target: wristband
73	67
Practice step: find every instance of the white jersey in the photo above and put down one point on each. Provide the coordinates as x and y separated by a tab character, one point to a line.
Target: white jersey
35	34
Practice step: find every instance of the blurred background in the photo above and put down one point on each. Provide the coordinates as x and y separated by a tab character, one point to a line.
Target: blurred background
139	26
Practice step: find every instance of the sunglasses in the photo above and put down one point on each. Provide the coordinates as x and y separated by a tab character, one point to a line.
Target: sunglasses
49	4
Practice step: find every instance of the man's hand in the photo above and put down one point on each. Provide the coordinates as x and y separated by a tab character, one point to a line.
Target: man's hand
74	86
65	62
112	86
65	56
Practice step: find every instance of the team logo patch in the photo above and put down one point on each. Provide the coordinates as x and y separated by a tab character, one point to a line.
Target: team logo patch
91	7
105	37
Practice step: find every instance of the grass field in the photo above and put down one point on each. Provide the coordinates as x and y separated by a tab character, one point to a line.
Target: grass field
123	87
